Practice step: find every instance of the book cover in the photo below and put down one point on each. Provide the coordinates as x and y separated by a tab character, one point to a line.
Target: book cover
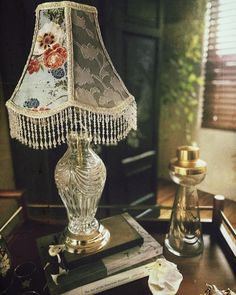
114	281
104	269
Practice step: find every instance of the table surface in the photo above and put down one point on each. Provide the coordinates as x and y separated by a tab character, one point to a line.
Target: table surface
211	267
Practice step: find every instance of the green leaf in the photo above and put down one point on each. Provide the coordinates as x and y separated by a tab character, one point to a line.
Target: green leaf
190	117
192	78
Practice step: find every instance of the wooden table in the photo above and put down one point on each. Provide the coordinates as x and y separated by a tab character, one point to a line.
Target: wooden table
212	267
215	266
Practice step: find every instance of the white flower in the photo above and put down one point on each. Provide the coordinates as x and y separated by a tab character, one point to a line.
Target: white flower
50	34
164	278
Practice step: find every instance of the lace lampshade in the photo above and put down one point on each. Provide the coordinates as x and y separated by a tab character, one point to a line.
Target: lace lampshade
69	82
69	90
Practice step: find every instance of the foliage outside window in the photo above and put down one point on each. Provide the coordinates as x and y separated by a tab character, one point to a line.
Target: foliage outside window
181	68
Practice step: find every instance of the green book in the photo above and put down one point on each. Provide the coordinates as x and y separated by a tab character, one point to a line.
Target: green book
104	269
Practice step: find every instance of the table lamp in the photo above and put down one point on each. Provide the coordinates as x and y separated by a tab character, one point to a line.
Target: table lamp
70	91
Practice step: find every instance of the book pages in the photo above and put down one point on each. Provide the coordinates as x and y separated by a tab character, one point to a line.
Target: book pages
128	258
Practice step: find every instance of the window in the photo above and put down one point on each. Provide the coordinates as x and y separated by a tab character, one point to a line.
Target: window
220	68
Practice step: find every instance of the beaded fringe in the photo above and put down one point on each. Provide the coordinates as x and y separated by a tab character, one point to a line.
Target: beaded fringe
49	132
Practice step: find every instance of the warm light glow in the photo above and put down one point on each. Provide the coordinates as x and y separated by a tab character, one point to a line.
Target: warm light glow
226	34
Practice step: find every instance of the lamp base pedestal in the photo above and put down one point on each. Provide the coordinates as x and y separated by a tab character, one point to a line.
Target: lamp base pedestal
123	235
85	243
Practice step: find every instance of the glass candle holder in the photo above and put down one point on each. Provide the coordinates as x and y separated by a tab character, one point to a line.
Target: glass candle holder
185	234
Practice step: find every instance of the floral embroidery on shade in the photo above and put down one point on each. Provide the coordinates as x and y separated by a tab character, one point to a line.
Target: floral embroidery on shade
31	103
58	73
89	51
50	34
65	67
49	54
84	74
41	109
55	57
46	40
33	66
49	51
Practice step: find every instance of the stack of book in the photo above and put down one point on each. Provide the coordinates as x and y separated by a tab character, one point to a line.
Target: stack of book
98	273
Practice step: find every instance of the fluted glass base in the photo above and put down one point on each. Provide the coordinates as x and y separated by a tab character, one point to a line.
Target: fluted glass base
185	234
80	177
76	243
191	247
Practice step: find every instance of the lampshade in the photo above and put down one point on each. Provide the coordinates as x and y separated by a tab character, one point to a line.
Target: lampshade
69	82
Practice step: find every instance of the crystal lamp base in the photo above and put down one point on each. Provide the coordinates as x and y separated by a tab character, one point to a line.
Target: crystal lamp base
80	177
88	243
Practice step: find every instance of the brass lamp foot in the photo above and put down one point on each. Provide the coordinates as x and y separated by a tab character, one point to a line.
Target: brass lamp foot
86	243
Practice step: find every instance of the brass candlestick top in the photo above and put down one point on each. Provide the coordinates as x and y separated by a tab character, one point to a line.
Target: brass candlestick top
187	161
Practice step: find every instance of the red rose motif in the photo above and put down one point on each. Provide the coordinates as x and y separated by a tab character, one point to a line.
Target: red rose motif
40	109
55	57
33	66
